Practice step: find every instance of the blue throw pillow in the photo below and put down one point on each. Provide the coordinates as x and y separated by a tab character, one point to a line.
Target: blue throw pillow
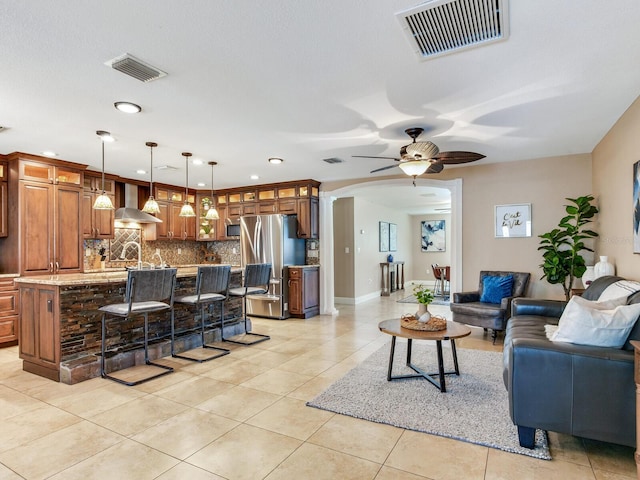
495	288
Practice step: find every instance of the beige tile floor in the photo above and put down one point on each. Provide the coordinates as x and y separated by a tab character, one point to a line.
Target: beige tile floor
243	416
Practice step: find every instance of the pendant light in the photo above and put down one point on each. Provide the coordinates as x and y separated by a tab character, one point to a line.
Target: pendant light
212	213
103	202
187	209
151	206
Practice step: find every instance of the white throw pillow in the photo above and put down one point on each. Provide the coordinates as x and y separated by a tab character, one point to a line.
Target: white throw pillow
600	324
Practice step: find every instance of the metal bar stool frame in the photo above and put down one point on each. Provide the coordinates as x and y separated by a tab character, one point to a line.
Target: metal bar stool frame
256	281
212	285
146	291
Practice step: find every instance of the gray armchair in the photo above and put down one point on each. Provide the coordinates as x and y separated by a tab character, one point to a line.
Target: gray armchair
468	309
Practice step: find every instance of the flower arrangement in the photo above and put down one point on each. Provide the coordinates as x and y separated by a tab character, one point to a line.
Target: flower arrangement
422	294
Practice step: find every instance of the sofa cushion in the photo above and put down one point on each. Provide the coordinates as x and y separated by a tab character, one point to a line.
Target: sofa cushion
601	324
621	288
495	288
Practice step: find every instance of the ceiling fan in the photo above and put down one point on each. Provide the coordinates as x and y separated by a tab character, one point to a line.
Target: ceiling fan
417	158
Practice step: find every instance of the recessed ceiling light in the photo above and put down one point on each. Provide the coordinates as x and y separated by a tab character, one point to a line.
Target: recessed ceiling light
254	177
197	162
200	184
141	171
48	153
275	160
127	107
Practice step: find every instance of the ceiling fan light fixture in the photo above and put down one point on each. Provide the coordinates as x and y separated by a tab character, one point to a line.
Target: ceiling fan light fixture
414	168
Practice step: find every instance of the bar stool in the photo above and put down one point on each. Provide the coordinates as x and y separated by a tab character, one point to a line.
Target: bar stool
147	291
212	285
255	282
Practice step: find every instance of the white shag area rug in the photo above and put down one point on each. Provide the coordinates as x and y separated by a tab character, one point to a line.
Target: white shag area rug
474	409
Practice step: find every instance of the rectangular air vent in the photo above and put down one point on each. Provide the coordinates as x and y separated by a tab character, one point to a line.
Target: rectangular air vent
439	27
165	167
136	68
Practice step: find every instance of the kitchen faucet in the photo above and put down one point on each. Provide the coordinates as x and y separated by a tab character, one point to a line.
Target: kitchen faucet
157	254
124	251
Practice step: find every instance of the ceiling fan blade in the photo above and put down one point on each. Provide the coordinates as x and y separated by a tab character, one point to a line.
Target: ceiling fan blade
435	167
454	158
383	168
370	156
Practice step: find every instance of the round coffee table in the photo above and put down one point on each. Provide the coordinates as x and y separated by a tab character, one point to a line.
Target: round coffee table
454	330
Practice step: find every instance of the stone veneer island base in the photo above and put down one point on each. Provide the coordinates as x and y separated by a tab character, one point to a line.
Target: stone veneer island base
60	325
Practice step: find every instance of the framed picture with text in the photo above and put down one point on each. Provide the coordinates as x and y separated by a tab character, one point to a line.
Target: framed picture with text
513	220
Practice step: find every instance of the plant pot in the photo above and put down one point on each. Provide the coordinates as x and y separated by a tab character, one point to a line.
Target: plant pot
423	314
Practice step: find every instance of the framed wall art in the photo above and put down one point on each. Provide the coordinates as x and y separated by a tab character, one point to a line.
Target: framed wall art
433	238
513	220
384	236
636	207
393	237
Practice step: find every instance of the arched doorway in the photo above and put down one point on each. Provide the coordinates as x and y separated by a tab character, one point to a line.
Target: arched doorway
327	303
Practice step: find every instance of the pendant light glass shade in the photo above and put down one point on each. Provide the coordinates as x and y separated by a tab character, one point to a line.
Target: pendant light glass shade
212	213
414	167
151	206
187	209
103	202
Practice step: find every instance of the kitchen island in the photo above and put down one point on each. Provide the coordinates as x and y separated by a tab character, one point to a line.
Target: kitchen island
60	324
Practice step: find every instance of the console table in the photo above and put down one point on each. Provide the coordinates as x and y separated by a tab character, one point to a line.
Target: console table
387	284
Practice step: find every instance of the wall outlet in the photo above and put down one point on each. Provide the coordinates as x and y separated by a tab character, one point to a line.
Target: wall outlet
87	252
346	249
158	251
234	250
179	251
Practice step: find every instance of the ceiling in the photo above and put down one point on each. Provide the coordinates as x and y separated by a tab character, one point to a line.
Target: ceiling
305	81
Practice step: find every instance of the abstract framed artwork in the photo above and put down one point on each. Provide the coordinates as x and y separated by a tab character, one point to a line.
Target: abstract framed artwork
636	207
393	237
513	220
433	237
384	236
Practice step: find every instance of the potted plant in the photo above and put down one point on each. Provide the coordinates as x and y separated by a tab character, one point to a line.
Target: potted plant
424	296
562	246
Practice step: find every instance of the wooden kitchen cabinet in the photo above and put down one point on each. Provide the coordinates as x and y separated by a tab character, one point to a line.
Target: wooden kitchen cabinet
50	226
97	224
174	226
9	312
308	218
4	199
40	330
304	291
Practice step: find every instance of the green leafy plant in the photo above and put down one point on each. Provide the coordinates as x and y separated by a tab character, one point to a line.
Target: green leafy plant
562	246
422	294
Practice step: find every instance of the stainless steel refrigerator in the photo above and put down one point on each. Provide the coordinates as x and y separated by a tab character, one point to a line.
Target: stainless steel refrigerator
271	239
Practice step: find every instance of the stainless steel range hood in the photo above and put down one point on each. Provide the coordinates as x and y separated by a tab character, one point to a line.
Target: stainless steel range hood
130	212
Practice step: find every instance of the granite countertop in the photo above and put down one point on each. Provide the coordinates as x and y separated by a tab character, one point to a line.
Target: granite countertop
107	276
303	266
9	275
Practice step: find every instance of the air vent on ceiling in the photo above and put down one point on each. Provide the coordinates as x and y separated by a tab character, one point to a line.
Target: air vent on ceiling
439	27
332	160
165	167
136	68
